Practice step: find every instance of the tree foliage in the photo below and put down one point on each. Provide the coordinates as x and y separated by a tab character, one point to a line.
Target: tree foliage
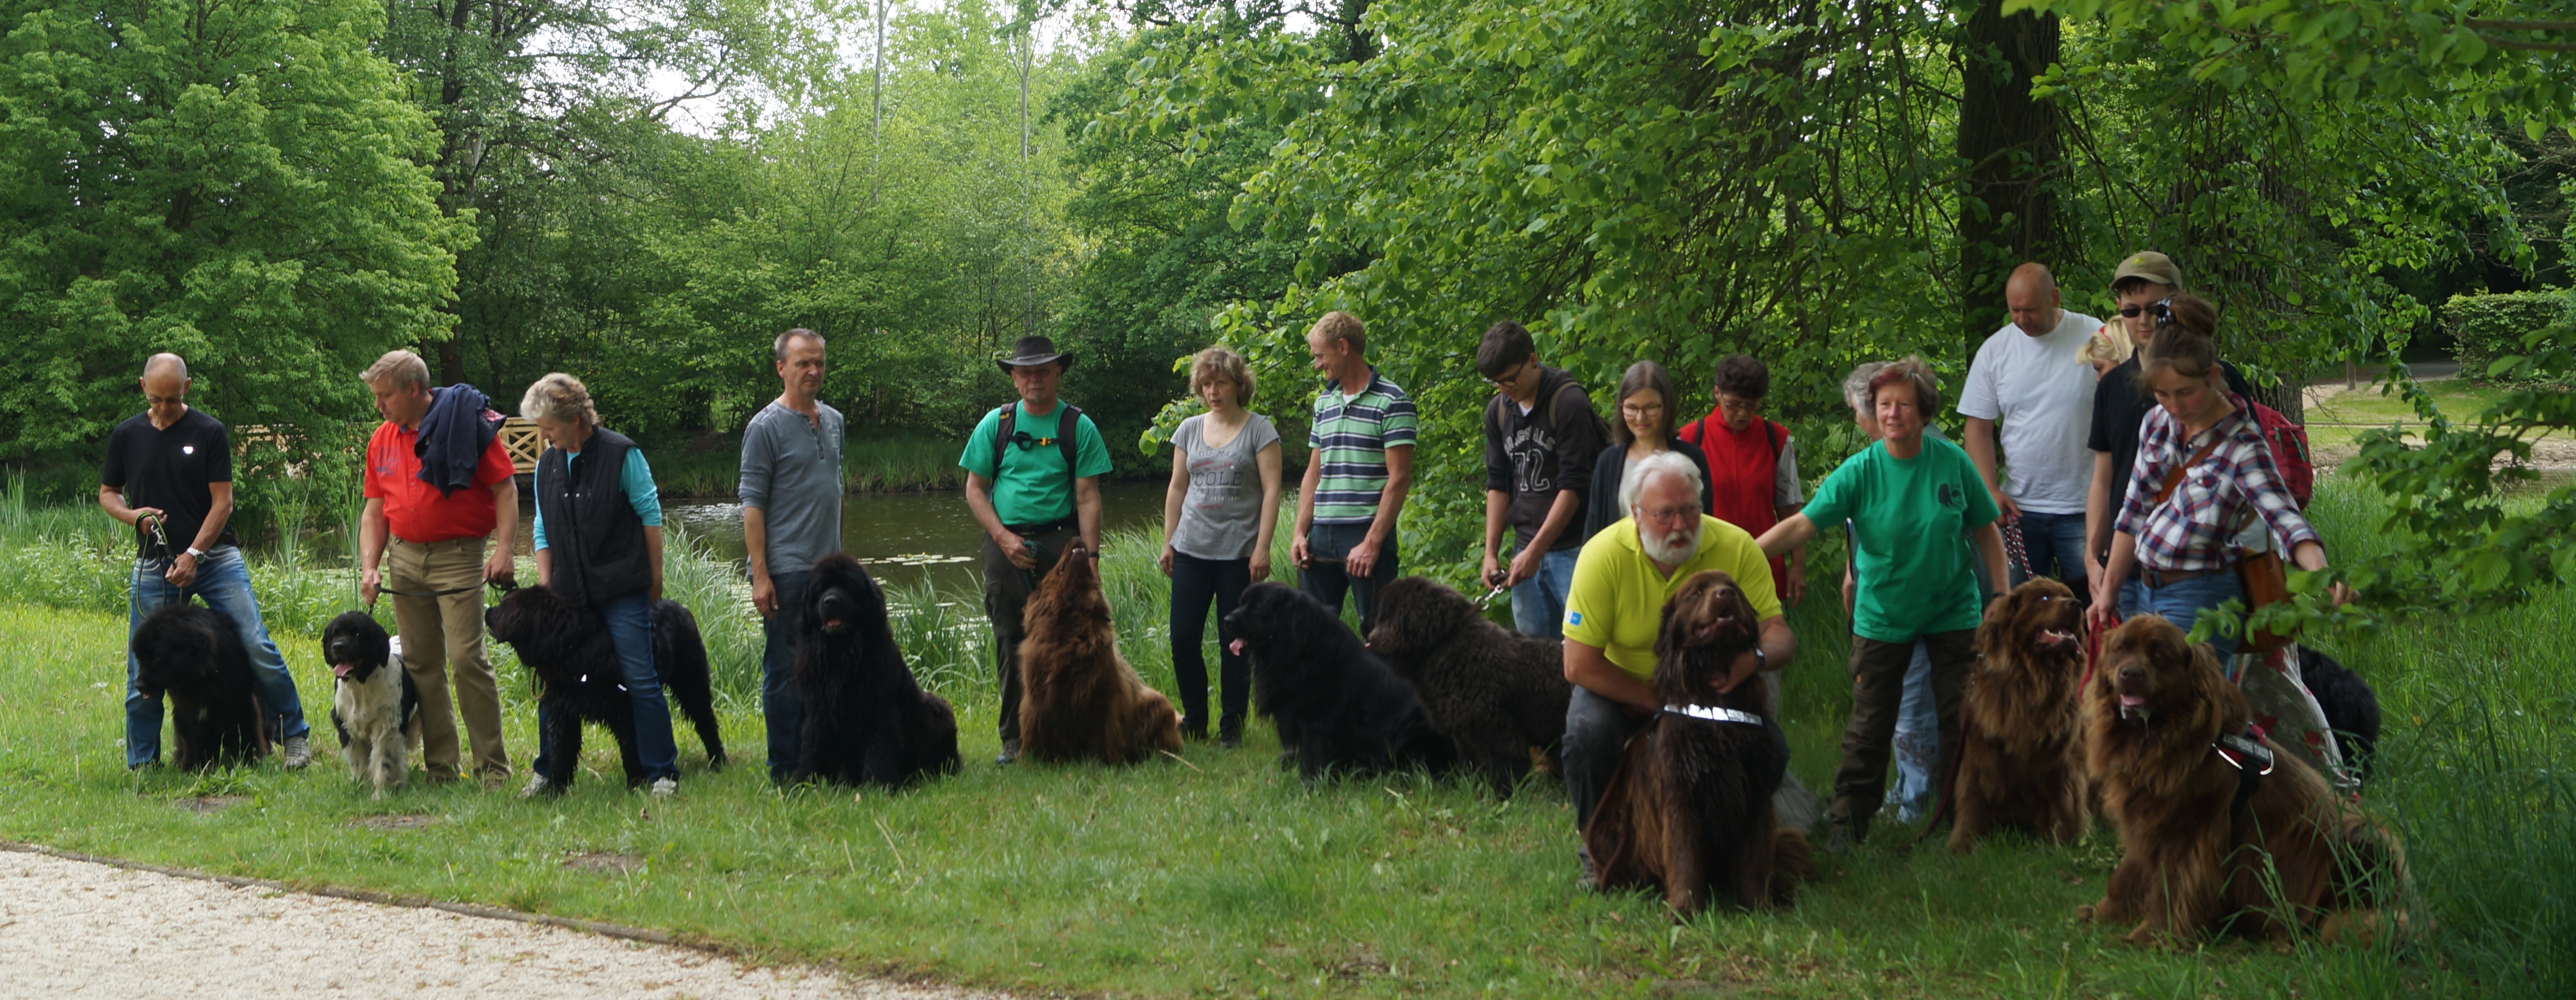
238	181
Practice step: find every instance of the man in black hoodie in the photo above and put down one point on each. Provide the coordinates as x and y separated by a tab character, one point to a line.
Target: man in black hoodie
1540	439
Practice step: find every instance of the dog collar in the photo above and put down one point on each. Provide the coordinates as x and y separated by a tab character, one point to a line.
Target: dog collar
1712	713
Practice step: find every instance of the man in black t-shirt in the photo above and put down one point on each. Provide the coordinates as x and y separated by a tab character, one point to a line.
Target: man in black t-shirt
2120	406
1541	436
169	474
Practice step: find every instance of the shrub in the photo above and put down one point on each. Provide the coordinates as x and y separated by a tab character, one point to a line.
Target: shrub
2487	327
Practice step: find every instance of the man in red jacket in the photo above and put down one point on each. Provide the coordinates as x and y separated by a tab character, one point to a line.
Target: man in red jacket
1753	463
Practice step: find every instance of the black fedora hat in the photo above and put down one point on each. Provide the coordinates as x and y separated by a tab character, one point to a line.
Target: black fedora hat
1031	351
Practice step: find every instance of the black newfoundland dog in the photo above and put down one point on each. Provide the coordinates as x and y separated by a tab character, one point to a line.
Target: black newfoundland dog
2351	707
1497	693
1338	707
867	720
374	704
567	651
192	656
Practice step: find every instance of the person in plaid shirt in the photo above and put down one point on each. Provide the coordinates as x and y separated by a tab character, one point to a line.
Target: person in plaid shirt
2184	545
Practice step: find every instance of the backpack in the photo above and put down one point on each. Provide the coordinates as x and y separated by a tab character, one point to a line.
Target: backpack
1600	427
1067	428
2289	444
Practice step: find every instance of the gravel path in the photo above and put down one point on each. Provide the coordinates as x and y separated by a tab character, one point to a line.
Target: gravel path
72	928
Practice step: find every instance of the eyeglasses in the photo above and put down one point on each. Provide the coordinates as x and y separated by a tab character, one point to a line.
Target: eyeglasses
1641	411
1667	513
1506	380
2131	312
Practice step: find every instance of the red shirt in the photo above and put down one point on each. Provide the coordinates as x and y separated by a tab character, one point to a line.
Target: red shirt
414	510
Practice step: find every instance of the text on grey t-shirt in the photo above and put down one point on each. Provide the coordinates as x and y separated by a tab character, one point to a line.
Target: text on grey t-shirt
1221	513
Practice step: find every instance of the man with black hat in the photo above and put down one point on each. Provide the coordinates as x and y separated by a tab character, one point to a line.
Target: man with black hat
1033	473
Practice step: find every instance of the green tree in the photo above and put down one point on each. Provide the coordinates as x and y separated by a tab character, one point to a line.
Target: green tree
238	181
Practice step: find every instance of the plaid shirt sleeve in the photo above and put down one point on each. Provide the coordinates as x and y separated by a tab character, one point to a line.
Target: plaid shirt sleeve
2196	528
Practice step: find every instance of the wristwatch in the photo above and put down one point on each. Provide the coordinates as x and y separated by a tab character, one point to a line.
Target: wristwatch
196	553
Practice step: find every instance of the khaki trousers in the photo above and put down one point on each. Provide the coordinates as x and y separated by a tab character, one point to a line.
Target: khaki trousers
438	632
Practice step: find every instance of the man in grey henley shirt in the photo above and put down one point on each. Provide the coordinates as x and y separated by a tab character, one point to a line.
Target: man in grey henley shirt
791	517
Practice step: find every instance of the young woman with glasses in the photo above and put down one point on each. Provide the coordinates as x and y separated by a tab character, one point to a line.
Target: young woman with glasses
1645	426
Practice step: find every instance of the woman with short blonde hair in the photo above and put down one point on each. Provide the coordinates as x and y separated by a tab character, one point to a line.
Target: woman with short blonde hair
599	543
1218	514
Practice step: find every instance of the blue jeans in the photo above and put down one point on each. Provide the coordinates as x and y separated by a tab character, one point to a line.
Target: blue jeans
2055	545
780	706
223	583
1538	603
1327	582
2183	601
630	629
1918	742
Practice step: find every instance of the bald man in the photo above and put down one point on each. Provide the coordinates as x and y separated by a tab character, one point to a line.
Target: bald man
169	474
2028	378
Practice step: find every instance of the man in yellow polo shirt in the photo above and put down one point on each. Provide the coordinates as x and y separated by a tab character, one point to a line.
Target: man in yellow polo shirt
1616	605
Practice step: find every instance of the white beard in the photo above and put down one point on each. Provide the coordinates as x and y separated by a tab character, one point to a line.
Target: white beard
1672	549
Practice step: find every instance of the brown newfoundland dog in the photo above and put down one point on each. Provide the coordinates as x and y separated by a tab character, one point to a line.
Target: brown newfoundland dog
1496	693
1079	699
1689	809
2219	829
2021	758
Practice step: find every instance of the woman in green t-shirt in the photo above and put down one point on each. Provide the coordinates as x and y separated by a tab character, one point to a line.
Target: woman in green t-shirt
1908	500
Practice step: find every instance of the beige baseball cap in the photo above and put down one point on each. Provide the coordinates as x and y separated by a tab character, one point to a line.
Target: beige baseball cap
2150	265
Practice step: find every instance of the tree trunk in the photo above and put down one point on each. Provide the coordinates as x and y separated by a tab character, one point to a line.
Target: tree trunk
2008	214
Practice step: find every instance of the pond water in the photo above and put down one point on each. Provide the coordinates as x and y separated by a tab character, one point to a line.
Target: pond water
910	536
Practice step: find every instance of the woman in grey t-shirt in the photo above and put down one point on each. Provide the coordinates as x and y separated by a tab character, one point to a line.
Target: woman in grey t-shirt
1217	519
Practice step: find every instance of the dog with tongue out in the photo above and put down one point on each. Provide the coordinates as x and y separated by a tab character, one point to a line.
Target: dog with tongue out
374	704
2020	756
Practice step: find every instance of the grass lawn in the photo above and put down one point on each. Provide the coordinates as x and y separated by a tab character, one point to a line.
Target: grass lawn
2336	421
1218	875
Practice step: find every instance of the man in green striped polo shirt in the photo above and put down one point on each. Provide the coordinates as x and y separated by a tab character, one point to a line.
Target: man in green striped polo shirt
1356	475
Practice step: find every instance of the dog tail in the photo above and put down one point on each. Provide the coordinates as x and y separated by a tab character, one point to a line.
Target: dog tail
1793	861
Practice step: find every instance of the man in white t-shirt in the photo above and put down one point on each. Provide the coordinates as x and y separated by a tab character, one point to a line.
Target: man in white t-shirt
2030	377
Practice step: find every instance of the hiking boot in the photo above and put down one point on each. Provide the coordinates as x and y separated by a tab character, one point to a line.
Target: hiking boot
1843	837
1229	731
1010	753
537	785
1194	729
298	753
665	787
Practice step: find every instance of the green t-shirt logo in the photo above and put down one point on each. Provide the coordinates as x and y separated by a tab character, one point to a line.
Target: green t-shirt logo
1952	497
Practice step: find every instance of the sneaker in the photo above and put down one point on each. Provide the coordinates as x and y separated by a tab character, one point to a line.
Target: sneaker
1194	729
663	787
1229	732
298	753
537	785
1010	753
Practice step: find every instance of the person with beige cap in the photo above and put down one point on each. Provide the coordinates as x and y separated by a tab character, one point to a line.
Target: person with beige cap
2119	405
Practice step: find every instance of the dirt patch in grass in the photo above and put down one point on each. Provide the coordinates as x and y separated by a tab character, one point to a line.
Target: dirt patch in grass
398	821
603	862
203	804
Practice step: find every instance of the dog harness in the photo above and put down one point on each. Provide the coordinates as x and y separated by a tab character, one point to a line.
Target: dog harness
1712	713
2252	760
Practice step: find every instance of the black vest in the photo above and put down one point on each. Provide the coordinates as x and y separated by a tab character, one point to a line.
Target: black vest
591	526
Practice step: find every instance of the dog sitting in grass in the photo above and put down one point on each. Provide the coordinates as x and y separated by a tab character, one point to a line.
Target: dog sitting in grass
194	656
1081	700
2021	751
374	704
1689	810
867	721
1497	694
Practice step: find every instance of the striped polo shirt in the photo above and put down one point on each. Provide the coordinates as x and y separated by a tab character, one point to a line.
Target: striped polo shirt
1350	435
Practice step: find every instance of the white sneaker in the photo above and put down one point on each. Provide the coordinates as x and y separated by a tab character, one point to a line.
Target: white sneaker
298	753
663	787
536	786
